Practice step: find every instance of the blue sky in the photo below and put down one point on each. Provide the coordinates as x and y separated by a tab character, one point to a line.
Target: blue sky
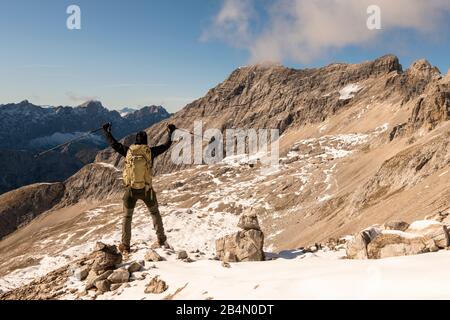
142	52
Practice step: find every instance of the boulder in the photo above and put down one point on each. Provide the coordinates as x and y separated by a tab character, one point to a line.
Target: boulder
156	286
241	246
119	276
134	267
153	256
105	257
249	220
357	247
182	255
393	243
431	229
93	278
396	225
103	285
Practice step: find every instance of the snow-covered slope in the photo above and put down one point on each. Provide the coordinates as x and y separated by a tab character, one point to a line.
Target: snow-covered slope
316	276
290	274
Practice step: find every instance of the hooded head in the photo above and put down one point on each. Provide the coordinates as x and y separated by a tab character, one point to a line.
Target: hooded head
141	138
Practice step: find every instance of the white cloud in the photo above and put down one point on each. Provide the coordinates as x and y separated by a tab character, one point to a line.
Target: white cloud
304	29
74	97
232	23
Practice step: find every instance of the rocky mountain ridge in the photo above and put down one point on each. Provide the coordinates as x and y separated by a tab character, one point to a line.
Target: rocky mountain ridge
25	125
272	96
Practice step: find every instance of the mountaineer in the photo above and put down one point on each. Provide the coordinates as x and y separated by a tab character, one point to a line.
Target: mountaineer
137	178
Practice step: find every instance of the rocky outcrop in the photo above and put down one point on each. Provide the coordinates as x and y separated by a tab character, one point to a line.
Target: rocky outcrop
101	271
357	247
434	230
397	243
101	264
398	238
19	207
245	245
433	107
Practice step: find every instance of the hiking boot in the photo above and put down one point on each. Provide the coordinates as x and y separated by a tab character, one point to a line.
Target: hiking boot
159	244
124	249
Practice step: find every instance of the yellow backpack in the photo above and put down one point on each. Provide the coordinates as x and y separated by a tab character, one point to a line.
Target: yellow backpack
137	173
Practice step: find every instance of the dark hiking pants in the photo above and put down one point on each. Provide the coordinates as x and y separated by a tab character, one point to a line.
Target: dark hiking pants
130	198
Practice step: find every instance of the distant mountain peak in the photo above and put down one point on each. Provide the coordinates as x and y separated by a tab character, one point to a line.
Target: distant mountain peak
154	108
92	104
126	111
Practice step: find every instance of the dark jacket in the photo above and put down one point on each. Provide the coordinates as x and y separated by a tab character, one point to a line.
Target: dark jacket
122	149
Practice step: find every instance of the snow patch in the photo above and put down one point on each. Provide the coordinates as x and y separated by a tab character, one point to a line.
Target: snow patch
107	165
423	224
349	91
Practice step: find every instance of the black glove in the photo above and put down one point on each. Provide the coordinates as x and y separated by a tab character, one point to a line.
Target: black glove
107	127
171	128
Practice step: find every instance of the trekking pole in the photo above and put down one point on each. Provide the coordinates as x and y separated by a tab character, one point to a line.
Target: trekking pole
68	142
